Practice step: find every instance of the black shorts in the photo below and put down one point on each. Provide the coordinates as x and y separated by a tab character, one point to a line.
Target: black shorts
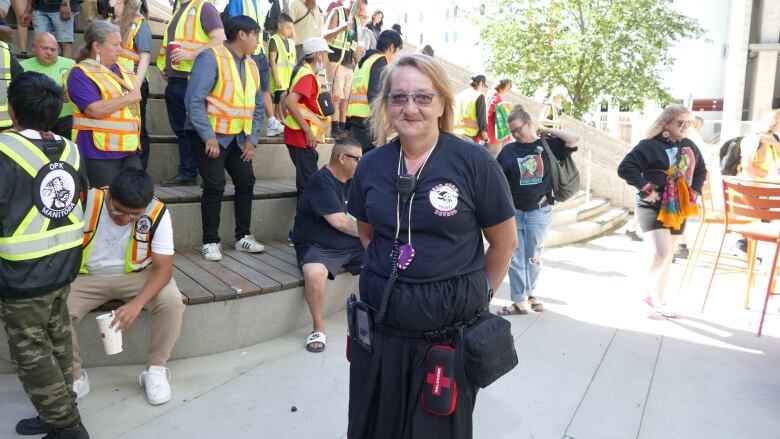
277	96
333	260
648	220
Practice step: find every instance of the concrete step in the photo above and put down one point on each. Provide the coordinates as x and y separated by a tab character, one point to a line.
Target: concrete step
574	201
272	217
271	160
588	229
593	208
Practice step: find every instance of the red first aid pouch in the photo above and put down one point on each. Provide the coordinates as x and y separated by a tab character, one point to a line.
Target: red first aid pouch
440	391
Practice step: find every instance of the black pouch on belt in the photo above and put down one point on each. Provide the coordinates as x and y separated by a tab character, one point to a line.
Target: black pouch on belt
488	349
440	390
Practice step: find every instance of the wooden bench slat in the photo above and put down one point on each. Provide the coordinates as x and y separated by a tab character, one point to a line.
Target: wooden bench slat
258	262
284	255
283	246
263	189
193	291
281	264
232	279
210	283
265	283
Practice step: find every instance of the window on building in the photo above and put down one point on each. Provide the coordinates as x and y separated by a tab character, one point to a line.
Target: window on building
421	17
482	9
446	37
421	39
447	13
406	17
455	36
455	12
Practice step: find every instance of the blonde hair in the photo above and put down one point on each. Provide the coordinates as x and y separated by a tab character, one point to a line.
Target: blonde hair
666	116
127	17
559	90
379	121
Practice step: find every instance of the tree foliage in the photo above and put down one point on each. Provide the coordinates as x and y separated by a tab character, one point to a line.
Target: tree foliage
595	48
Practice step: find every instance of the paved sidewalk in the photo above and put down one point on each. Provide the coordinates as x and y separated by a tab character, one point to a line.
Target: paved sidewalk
591	367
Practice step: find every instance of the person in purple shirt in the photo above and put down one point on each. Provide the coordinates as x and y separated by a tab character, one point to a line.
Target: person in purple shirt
103	45
177	85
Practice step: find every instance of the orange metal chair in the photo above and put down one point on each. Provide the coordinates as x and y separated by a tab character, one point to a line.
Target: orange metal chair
759	200
709	214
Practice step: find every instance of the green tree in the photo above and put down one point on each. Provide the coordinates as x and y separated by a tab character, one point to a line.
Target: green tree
594	48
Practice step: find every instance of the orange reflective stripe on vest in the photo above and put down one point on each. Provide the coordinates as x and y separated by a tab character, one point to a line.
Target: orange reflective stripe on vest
120	130
230	107
139	248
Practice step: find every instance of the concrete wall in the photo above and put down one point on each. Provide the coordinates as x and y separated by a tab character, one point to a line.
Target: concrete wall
211	328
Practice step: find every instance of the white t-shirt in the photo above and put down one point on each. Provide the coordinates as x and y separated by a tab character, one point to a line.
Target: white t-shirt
109	245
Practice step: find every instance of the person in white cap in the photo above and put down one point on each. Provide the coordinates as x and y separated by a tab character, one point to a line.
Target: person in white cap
306	123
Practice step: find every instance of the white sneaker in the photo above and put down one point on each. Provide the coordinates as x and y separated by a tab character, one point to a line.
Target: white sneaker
249	244
156	381
275	128
212	252
81	385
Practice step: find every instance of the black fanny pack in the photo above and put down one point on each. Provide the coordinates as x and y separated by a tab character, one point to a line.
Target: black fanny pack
488	349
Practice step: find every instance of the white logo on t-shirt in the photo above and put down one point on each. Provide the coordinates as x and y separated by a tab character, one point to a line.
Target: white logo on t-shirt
444	198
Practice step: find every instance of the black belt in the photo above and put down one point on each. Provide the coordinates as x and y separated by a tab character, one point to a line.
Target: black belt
544	203
443	334
177	79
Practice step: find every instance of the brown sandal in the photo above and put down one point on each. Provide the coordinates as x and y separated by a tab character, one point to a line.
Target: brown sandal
536	305
512	310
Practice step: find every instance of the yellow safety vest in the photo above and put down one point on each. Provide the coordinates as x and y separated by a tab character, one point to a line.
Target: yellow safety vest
56	195
252	10
229	106
340	41
318	122
139	250
555	114
767	158
130	57
119	131
466	113
358	97
5	80
285	61
189	33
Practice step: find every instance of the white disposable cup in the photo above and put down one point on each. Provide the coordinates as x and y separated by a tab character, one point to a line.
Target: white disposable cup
112	338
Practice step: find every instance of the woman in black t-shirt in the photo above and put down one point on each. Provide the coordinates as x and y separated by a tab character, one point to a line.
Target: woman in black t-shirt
444	278
669	172
527	168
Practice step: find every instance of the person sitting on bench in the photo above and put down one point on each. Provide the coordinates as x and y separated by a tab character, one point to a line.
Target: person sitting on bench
325	236
128	256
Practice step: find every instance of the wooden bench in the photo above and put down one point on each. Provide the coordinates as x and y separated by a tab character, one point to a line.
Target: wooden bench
236	276
264	189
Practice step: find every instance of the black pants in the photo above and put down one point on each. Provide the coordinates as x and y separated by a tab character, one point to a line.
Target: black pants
145	143
305	161
361	133
101	172
213	173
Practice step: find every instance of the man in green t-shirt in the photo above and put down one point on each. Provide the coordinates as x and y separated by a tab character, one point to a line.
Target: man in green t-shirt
48	62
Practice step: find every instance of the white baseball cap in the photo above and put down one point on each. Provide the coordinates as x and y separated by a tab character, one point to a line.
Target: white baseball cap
314	45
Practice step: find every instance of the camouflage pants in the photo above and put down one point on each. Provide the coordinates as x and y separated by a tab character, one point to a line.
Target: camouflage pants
41	350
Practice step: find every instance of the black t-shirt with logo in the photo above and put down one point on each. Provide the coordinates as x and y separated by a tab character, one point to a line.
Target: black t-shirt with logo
460	190
527	169
324	195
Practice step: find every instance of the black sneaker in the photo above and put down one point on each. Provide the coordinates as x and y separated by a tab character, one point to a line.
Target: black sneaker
33	426
77	432
180	180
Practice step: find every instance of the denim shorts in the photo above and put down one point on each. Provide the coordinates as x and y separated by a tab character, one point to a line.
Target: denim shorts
51	22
